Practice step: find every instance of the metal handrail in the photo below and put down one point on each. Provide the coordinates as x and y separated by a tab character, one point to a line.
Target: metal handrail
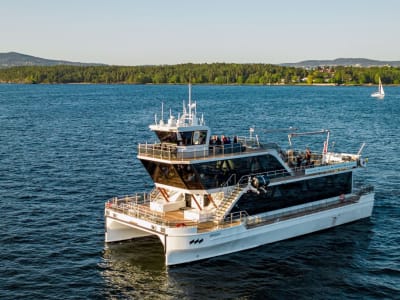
320	205
137	206
170	151
144	212
236	216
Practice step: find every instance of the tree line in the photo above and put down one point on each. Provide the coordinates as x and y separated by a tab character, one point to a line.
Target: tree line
215	73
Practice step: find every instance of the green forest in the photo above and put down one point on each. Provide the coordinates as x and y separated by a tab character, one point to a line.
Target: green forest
215	73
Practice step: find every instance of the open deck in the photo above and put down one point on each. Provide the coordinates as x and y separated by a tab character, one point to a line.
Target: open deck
171	152
138	207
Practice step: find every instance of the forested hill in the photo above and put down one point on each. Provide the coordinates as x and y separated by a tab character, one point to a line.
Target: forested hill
50	71
14	59
216	73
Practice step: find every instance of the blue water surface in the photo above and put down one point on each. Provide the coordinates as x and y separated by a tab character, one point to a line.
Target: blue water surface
66	149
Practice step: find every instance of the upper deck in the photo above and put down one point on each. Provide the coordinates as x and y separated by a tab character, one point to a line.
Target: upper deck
173	152
187	140
295	161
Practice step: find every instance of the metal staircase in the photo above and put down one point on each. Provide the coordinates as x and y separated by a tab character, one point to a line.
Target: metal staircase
227	202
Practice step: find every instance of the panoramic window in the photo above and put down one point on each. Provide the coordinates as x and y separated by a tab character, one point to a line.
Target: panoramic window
213	174
167	137
188	138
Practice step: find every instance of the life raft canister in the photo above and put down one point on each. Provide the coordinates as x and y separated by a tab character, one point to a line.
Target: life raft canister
260	181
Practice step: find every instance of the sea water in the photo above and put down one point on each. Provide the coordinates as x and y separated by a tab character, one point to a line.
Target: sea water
66	149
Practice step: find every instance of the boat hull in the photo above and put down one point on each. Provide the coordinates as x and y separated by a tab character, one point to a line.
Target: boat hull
184	245
378	95
179	249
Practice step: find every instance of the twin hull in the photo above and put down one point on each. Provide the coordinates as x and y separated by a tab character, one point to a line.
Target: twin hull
183	245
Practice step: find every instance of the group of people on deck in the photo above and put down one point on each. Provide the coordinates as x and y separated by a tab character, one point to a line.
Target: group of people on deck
307	158
223	140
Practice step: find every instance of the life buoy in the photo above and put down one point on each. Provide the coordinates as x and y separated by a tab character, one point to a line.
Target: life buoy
180	225
363	163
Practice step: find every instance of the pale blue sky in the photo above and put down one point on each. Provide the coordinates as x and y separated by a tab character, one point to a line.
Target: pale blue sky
129	32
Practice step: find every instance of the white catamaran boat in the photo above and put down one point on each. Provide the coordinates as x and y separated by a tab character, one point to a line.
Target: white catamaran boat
380	93
217	196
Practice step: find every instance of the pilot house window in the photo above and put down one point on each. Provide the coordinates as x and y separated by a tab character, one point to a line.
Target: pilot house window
167	137
189	138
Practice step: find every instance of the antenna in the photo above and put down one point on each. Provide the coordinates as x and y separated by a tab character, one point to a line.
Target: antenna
190	99
251	130
361	149
162	111
327	142
190	92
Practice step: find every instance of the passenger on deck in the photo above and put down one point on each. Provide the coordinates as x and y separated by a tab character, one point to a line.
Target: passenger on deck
223	139
213	140
235	139
299	160
308	156
226	140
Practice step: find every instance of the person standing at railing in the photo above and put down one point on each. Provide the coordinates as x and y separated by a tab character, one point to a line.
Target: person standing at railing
308	156
299	160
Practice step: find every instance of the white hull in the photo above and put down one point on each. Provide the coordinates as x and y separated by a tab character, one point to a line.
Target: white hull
183	245
214	195
378	95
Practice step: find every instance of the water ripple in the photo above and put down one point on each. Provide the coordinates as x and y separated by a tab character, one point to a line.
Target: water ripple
66	149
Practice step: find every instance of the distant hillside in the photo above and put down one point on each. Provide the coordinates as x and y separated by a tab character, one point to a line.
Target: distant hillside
14	59
357	62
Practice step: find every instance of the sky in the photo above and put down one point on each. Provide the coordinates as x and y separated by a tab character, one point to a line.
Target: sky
156	32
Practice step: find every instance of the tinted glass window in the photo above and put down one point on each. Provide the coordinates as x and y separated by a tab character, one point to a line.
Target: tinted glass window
216	173
210	175
167	137
295	193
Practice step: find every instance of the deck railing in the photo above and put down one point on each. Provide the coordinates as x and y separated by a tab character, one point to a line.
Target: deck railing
321	205
137	206
235	217
171	151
